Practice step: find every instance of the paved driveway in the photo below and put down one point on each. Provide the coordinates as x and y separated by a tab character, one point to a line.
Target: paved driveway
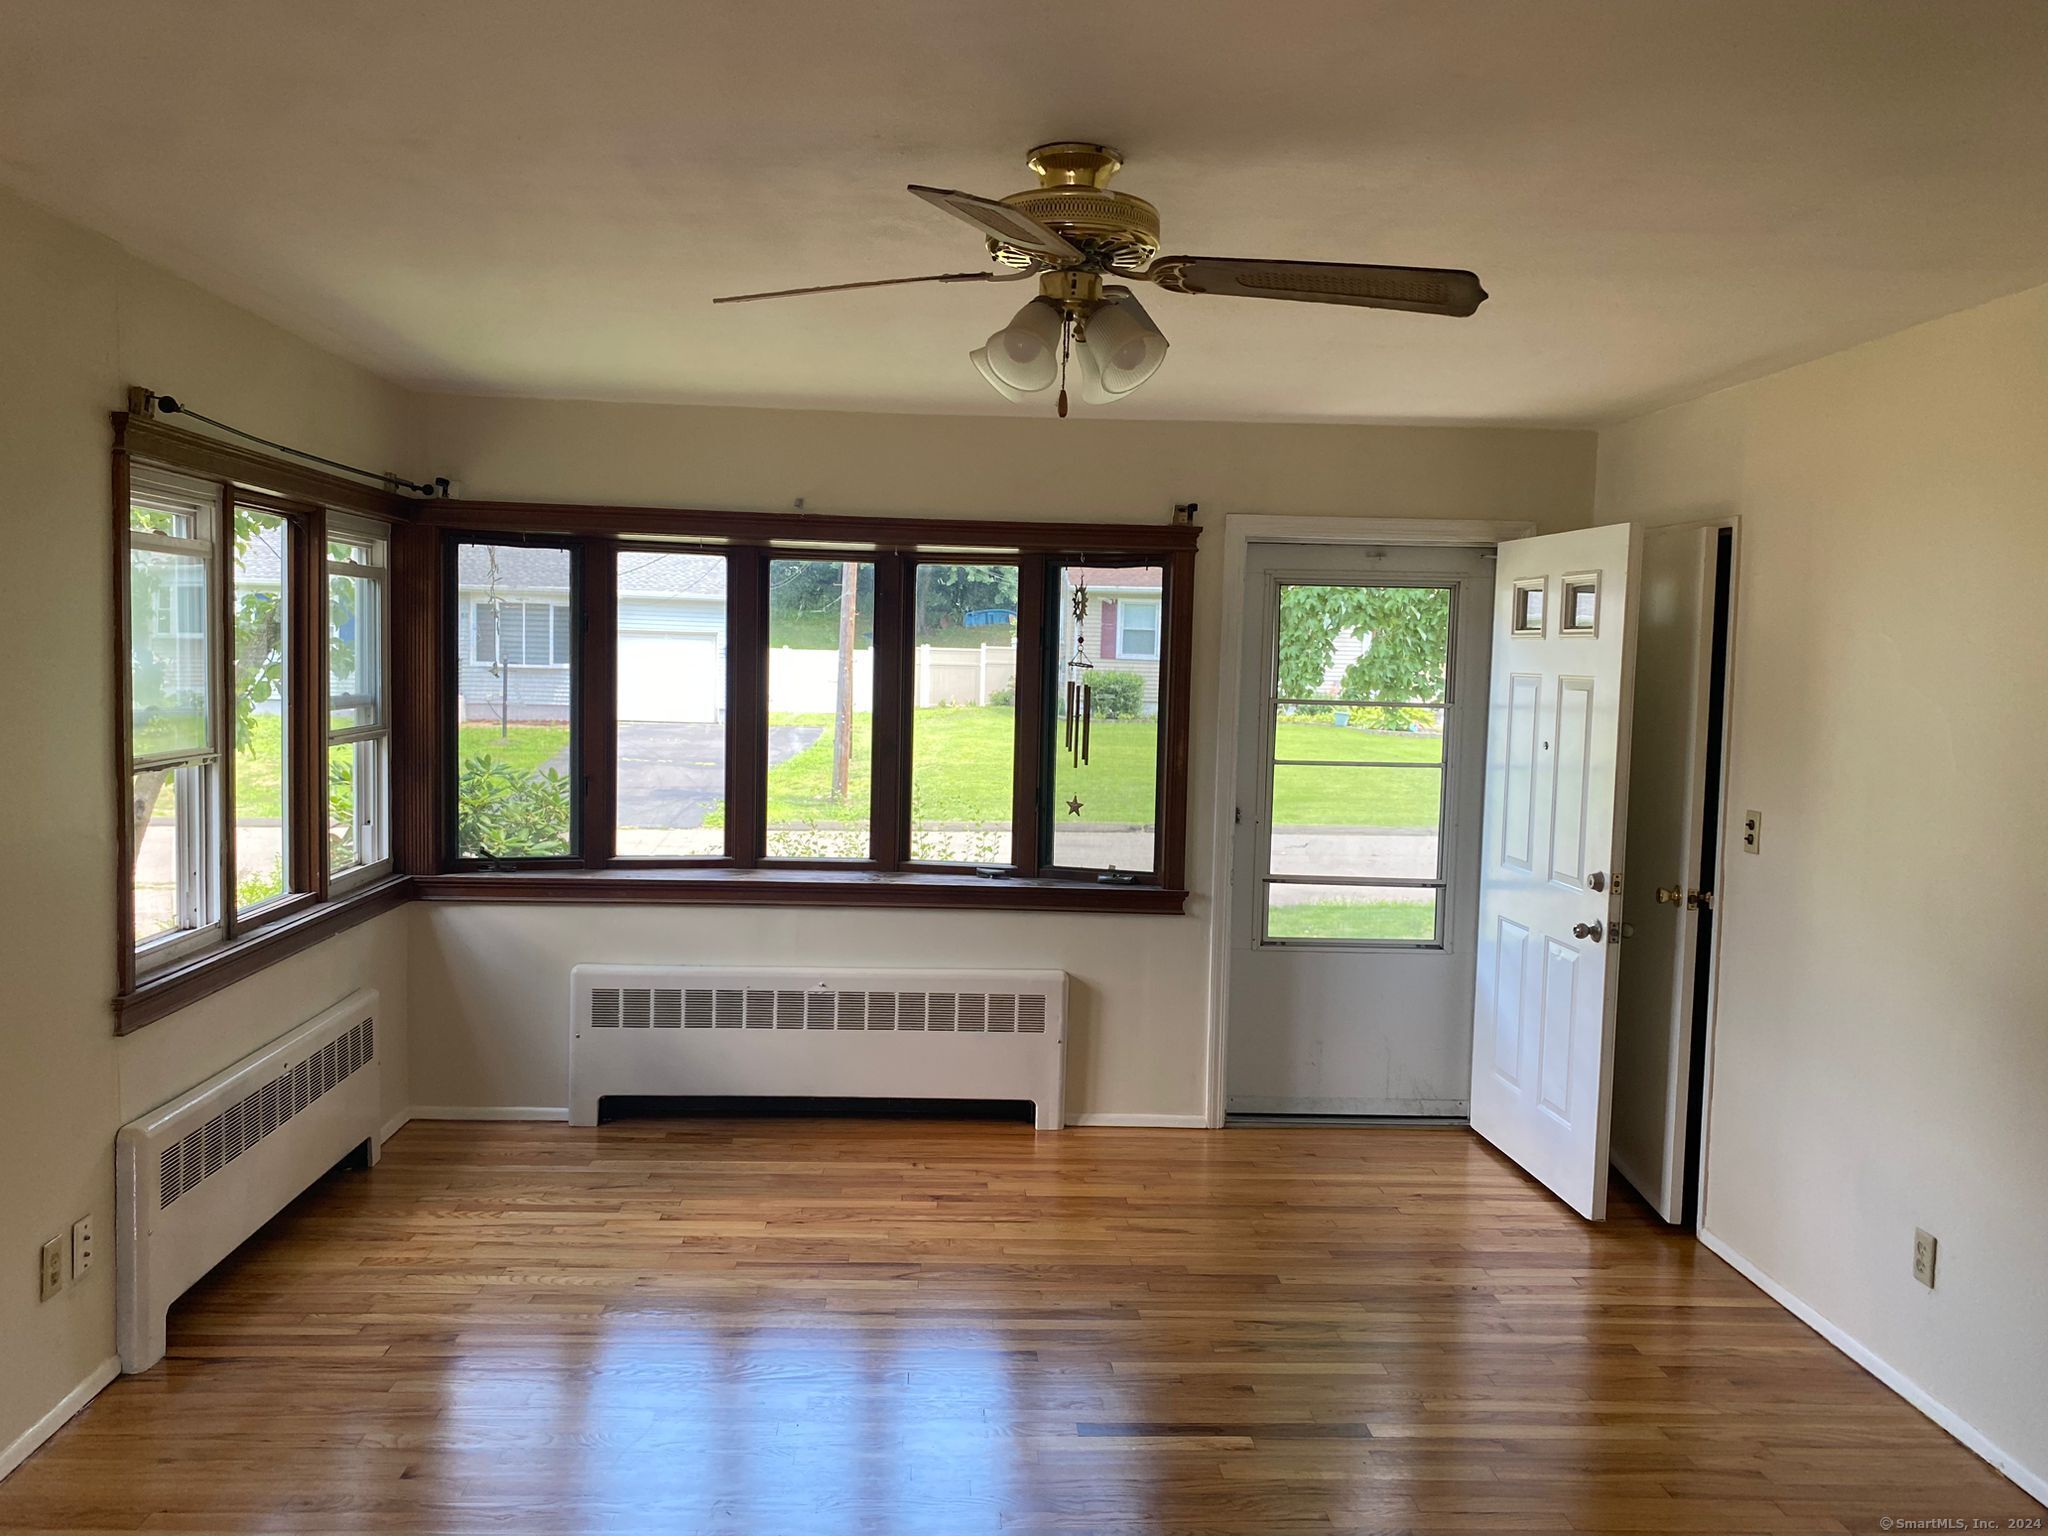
670	776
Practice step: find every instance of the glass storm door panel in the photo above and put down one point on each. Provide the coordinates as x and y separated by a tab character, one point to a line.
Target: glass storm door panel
1360	725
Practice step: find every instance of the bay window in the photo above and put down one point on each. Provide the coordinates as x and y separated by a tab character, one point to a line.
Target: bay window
334	698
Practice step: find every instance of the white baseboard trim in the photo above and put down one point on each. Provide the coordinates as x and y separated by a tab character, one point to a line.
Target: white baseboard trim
2007	1464
29	1440
488	1112
1162	1122
393	1126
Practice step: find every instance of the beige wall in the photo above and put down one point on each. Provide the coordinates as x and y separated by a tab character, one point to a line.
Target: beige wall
1882	1047
80	320
495	979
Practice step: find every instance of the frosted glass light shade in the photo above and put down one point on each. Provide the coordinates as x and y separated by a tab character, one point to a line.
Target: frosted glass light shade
1126	347
1025	354
979	357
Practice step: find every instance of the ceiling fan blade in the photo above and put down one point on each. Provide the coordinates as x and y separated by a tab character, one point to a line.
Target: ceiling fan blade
879	282
1001	222
1425	290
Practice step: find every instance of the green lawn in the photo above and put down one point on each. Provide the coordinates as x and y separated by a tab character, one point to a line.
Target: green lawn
1353	920
800	788
816	631
961	771
962	763
962	757
524	747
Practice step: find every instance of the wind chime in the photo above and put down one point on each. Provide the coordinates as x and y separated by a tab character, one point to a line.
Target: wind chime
1080	692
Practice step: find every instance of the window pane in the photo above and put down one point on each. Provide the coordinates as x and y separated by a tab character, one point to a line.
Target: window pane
357	773
671	705
1351	912
1341	641
964	714
1378	823
169	669
513	770
259	764
344	845
172	865
355	662
821	620
1104	810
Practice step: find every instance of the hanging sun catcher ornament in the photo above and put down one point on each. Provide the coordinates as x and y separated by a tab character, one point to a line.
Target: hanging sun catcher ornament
1080	693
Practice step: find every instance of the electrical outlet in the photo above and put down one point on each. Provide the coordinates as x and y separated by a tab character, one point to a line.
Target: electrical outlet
1752	831
1924	1247
81	1247
51	1268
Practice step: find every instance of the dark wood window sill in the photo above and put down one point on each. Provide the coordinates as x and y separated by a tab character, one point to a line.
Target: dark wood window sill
181	985
795	888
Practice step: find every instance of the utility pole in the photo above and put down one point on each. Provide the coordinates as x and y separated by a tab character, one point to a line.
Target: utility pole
842	737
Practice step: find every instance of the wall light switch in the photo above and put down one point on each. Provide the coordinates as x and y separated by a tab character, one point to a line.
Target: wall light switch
1752	831
1924	1246
81	1247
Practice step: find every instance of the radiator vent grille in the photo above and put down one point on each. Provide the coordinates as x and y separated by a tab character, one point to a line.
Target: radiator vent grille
966	1013
212	1145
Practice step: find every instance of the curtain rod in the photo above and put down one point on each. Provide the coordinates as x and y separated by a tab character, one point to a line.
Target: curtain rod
151	402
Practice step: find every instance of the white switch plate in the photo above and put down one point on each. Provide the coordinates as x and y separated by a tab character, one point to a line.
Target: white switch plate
81	1247
1752	831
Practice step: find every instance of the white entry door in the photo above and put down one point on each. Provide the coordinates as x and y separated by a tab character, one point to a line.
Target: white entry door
1361	761
1666	903
1558	719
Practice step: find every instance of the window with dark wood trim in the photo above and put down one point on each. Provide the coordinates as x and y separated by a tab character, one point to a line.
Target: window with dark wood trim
251	632
818	714
738	708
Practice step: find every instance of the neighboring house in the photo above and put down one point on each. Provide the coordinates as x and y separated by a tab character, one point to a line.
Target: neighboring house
515	635
1122	626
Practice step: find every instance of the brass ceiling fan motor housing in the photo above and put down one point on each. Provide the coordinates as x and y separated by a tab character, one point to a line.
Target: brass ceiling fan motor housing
1073	199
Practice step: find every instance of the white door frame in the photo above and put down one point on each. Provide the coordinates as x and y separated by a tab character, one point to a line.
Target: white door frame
1239	533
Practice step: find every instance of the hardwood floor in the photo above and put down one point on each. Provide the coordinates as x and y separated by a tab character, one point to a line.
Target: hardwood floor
768	1326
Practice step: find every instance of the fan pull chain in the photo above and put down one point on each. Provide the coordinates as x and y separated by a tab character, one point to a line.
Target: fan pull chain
1066	338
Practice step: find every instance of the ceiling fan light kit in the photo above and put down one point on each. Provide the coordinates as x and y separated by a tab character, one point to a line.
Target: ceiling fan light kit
1071	231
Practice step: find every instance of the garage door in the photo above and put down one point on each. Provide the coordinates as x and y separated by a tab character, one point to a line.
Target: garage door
671	678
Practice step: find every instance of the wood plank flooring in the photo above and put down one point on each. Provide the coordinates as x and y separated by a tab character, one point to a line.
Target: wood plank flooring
808	1326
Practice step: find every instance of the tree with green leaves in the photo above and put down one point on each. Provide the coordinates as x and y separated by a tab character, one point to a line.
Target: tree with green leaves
1406	635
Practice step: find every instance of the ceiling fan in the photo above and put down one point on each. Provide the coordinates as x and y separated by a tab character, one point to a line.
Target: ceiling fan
1073	233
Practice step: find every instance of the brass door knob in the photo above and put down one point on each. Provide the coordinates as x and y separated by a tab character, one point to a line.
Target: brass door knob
1674	894
1593	930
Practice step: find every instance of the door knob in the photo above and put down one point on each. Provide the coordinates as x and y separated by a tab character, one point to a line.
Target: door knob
1593	930
1674	894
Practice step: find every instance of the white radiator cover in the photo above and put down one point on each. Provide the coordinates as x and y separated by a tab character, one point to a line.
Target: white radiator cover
787	1033
195	1177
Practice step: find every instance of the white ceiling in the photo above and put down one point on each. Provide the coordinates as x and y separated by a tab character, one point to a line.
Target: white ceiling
539	197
